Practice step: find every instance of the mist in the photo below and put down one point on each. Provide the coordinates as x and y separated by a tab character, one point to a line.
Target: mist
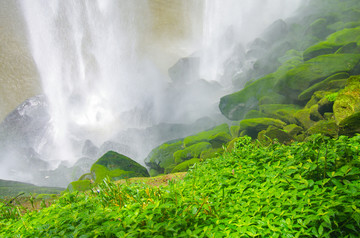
125	76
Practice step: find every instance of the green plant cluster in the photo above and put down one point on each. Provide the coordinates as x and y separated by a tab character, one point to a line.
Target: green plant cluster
306	189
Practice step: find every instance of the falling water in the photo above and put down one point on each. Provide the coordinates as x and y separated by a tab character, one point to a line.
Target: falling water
103	65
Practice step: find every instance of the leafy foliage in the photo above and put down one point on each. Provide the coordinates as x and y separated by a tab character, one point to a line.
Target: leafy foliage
307	189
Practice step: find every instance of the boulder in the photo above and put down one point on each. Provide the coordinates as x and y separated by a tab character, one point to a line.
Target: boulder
324	127
219	139
161	157
347	101
274	133
314	113
303	118
193	151
186	69
350	126
184	166
282	112
293	129
296	80
117	166
205	135
252	127
332	83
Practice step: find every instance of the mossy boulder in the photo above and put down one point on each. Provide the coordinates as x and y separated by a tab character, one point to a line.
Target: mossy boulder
80	185
190	152
235	106
116	166
314	71
235	131
253	126
273	133
322	48
161	157
293	129
350	126
324	127
184	166
315	114
347	101
205	135
332	83
211	153
283	112
303	118
220	139
254	114
340	42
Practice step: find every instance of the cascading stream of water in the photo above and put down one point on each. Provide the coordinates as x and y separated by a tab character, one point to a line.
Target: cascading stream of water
103	66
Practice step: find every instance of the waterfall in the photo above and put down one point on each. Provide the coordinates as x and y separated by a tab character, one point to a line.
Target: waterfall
110	67
87	55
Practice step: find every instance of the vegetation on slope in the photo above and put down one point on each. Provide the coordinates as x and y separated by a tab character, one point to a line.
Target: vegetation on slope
306	189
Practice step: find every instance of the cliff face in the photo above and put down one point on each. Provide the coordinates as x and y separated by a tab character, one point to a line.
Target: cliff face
18	77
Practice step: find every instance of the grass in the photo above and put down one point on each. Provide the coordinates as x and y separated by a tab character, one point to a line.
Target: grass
307	189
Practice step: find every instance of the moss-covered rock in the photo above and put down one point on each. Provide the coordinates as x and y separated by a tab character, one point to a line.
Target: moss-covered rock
322	48
293	129
272	133
347	101
283	112
303	118
220	139
332	83
235	131
350	125
254	114
184	166
253	126
162	156
116	166
190	152
315	114
211	153
205	135
324	127
235	106
340	42
315	70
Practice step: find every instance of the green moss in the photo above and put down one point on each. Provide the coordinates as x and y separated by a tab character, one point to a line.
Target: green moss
81	185
272	133
112	160
235	106
87	176
220	139
314	113
345	36
315	70
322	48
211	153
334	82
234	131
348	100
253	126
162	156
283	112
205	135
192	151
100	172
350	48
303	118
184	166
254	114
327	128
293	129
350	126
